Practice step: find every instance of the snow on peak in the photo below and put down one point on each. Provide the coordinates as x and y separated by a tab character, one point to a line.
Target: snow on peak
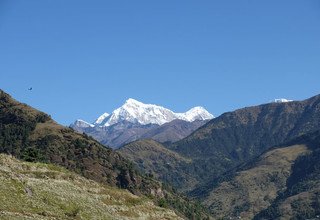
83	124
101	118
132	101
137	112
196	113
281	100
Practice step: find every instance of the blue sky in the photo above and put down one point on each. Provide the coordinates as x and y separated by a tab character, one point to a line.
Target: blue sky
83	58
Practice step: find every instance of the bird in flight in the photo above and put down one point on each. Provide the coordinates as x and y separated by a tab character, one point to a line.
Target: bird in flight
30	89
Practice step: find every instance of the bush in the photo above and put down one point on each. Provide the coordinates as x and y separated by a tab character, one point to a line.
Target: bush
32	155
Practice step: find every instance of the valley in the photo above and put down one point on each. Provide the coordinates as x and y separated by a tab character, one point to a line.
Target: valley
258	162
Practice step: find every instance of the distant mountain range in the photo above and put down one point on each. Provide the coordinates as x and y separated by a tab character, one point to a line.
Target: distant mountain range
135	120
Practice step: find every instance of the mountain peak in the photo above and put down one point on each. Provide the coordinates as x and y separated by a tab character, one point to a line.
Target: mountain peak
135	111
82	123
197	113
133	101
197	108
101	118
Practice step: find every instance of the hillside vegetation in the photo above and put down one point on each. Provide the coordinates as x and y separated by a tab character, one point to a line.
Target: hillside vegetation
155	159
282	183
301	199
254	189
44	191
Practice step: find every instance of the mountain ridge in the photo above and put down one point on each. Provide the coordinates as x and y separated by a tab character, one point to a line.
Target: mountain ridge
137	112
234	137
295	118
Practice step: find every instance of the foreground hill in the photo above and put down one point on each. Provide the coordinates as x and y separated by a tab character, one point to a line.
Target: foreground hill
33	136
44	191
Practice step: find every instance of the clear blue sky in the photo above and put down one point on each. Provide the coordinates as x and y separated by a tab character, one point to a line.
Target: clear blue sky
83	58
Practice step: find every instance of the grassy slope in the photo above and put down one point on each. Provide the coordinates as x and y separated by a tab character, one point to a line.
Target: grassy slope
45	191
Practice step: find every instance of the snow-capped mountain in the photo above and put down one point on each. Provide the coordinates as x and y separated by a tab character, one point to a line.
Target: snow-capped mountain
135	120
196	113
281	100
82	123
137	112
